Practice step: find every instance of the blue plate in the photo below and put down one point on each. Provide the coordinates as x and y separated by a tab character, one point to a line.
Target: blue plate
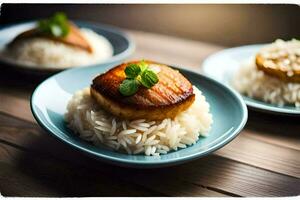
123	45
49	102
222	65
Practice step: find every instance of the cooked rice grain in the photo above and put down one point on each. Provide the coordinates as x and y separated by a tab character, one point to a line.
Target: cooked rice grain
86	118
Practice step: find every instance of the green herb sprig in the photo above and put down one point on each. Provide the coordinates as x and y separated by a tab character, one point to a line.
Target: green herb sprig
137	75
55	26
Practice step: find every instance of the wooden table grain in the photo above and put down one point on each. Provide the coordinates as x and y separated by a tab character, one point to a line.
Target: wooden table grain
263	160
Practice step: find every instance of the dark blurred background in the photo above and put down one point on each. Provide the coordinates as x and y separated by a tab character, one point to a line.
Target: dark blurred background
227	25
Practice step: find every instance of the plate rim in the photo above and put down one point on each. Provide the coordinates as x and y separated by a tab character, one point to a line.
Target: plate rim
155	163
115	58
253	104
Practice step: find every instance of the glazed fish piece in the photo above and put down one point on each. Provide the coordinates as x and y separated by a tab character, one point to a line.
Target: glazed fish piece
74	38
273	68
170	96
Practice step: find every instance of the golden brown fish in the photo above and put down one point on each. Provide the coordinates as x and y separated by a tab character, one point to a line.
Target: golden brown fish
74	38
273	68
170	96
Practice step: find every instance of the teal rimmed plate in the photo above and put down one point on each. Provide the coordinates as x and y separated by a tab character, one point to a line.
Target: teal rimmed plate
222	65
50	98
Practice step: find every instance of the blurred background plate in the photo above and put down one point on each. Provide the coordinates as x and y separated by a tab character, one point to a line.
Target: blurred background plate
222	65
123	45
223	101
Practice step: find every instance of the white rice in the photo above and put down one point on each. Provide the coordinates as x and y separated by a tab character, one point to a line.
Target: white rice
87	119
43	52
256	84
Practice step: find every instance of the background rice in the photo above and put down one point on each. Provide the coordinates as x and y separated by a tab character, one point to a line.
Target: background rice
91	123
48	53
256	84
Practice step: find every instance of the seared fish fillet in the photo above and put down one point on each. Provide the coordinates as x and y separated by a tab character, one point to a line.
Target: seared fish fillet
74	38
170	96
274	69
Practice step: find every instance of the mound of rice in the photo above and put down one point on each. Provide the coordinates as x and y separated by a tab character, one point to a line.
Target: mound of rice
43	52
87	119
256	84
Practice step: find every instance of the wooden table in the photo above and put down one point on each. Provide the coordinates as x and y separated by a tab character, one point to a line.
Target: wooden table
263	160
